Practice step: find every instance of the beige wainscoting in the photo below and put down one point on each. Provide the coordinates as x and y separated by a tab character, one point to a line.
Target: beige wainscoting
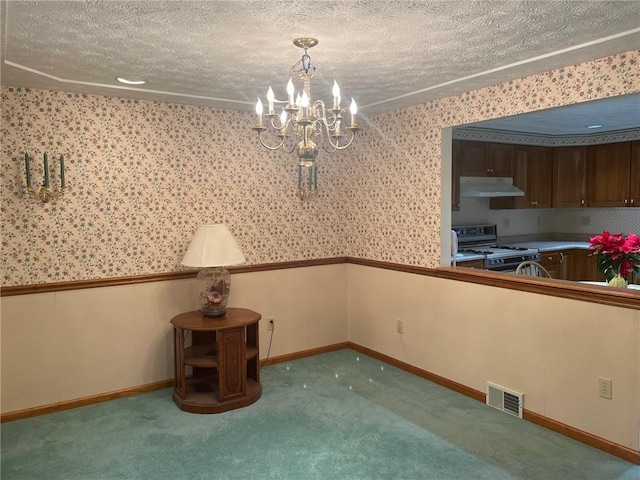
67	345
551	349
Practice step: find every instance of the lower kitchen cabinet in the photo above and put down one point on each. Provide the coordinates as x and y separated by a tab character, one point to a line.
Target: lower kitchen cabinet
557	263
471	264
583	266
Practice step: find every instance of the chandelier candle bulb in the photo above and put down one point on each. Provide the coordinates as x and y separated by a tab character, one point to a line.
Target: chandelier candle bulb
290	91
336	95
270	98
259	112
354	110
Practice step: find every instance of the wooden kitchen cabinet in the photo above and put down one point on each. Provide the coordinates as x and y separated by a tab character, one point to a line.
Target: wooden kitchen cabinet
610	175
569	177
533	173
557	263
486	159
583	266
471	264
455	175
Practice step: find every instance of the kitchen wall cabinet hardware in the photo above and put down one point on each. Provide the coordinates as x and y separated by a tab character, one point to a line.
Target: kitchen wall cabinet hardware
486	159
569	177
533	173
613	176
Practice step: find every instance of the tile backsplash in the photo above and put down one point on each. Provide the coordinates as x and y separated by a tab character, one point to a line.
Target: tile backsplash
578	221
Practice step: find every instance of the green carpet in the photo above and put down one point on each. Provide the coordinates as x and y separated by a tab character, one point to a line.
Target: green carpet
340	415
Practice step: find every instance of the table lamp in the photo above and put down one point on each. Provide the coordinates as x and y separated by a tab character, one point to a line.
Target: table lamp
212	248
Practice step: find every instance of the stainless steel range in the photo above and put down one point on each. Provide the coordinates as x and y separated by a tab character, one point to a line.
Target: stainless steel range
480	240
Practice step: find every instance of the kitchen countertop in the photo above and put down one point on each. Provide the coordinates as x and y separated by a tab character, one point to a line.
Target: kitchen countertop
468	258
551	245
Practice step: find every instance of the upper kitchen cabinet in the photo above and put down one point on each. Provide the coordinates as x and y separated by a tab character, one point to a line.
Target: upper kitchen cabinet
483	159
533	173
569	177
610	175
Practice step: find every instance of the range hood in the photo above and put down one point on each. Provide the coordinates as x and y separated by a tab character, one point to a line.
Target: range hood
488	187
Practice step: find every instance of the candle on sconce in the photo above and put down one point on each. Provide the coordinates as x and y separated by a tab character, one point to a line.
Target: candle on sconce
46	171
27	167
61	171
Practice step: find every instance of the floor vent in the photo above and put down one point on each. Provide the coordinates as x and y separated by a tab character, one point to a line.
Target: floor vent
504	399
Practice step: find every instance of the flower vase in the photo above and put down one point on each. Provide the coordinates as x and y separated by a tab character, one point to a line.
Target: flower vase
617	281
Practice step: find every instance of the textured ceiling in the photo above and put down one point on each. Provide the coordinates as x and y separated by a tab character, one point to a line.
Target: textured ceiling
386	54
614	114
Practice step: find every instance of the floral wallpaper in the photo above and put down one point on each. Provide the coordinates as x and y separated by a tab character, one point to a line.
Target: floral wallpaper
394	192
141	177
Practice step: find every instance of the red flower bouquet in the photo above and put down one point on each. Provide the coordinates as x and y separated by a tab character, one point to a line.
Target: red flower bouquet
617	255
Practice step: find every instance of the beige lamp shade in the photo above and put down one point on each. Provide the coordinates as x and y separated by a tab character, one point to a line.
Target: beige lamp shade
213	246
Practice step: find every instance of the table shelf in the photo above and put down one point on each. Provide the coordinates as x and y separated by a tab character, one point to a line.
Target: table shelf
204	356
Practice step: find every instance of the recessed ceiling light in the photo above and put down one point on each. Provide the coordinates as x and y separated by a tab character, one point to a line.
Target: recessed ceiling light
130	82
594	126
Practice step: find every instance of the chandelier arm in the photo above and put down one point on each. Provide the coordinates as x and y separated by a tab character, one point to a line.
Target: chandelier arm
289	150
337	146
269	147
326	149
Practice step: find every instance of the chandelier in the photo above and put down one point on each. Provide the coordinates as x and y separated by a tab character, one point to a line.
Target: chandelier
304	124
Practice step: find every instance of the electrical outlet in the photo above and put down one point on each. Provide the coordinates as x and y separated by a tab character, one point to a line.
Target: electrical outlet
399	326
604	386
506	223
270	323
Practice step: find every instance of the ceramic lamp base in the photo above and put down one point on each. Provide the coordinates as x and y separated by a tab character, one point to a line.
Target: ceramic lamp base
214	284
